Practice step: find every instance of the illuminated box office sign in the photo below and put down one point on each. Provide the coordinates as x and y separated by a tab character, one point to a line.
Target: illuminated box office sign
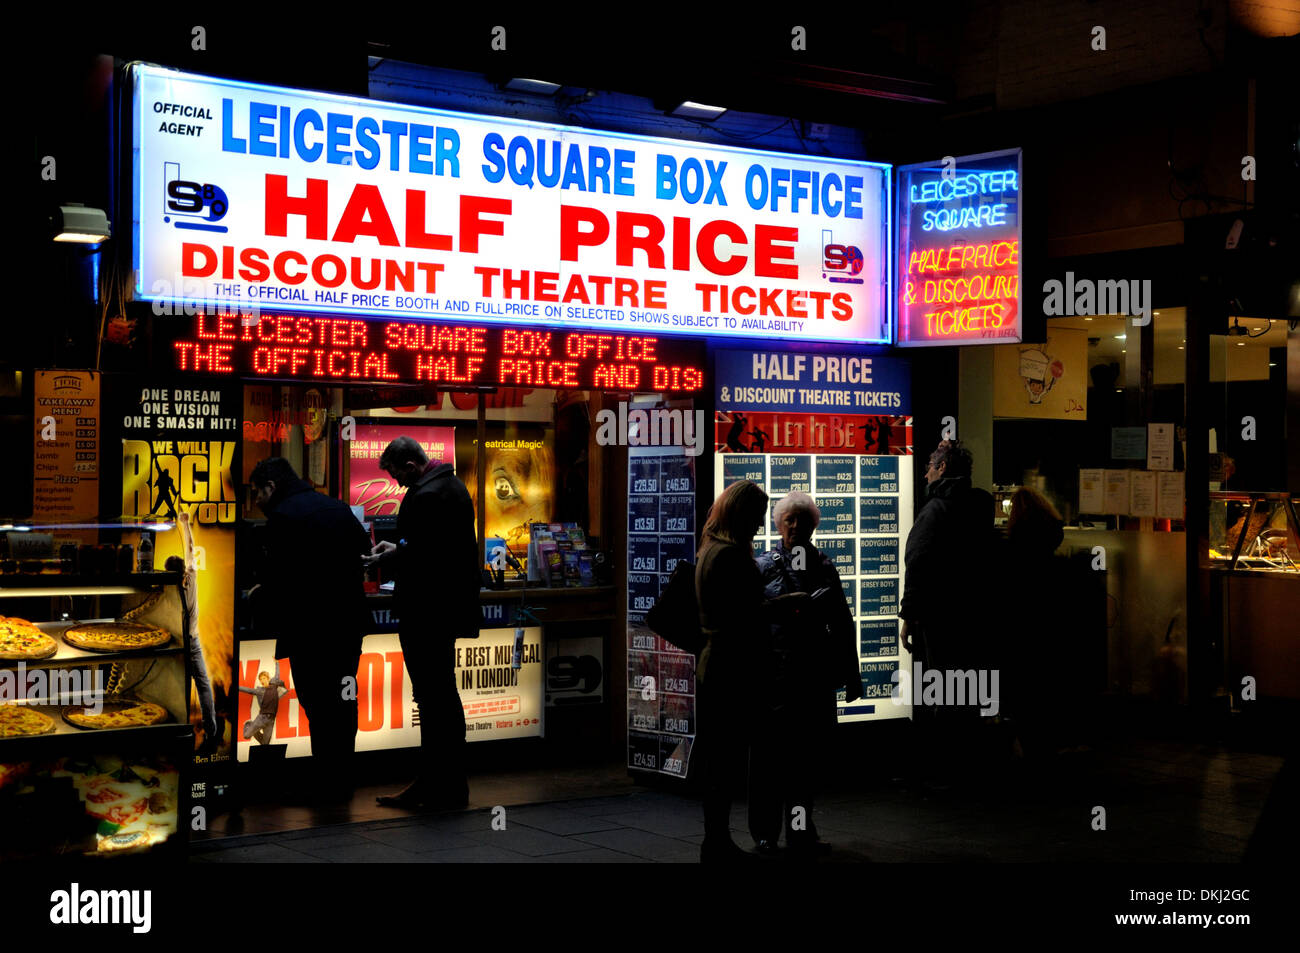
337	348
959	261
315	202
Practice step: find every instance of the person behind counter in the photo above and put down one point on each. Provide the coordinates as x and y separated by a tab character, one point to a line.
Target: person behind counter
311	597
435	564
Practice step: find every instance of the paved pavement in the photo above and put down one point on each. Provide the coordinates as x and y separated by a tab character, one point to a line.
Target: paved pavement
1162	802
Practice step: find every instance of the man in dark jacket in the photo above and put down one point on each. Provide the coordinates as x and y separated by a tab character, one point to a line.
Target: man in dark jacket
946	598
950	545
436	566
310	596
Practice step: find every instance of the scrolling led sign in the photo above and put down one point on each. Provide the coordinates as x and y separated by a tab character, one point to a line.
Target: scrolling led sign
300	347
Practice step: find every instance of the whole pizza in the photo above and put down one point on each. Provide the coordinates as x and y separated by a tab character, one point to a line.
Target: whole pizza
23	720
115	636
117	714
21	641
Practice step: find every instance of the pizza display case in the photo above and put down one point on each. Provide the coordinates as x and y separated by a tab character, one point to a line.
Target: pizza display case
111	784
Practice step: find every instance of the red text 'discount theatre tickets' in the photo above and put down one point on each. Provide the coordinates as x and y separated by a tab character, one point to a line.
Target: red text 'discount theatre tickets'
321	203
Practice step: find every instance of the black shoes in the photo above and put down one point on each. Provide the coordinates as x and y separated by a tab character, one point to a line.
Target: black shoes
417	798
807	847
719	851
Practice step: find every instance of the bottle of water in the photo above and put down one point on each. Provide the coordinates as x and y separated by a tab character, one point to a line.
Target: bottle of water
146	553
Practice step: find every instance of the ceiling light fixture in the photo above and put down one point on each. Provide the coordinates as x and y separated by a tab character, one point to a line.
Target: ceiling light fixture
539	86
691	110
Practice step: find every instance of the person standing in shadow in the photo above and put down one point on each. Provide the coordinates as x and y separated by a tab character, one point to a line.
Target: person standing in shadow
435	564
814	653
734	621
945	605
312	595
1036	653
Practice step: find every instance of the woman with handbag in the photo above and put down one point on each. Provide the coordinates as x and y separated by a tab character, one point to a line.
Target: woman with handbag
734	625
813	654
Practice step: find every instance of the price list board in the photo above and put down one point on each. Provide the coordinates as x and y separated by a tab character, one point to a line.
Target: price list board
661	677
865	503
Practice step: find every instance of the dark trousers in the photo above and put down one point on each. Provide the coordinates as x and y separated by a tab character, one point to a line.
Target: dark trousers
319	677
722	750
785	762
431	663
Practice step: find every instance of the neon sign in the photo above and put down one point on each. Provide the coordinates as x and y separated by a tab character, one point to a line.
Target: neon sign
959	262
312	347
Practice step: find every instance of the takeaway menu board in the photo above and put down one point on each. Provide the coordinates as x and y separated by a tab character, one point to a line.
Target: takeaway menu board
661	532
866	506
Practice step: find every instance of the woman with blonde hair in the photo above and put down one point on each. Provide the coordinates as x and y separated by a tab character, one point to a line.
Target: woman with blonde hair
813	654
735	622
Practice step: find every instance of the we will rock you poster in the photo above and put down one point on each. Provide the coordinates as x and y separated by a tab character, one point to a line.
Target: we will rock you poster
180	449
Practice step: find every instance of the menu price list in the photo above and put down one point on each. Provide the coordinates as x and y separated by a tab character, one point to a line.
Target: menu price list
661	677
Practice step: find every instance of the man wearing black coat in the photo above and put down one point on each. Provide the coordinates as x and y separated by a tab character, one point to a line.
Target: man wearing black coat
948	552
310	596
436	566
946	598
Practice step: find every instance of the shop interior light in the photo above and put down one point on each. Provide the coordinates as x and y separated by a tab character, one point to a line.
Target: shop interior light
690	110
1121	337
76	223
155	527
521	84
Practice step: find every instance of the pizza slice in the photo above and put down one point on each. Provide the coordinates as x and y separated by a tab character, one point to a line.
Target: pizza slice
21	641
18	720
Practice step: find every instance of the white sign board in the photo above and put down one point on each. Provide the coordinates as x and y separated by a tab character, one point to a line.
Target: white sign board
499	701
250	195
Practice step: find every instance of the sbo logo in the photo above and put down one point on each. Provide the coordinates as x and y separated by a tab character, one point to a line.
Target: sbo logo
844	262
187	201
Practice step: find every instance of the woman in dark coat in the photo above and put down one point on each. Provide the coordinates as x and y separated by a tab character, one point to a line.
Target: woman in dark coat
735	622
1036	656
814	653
